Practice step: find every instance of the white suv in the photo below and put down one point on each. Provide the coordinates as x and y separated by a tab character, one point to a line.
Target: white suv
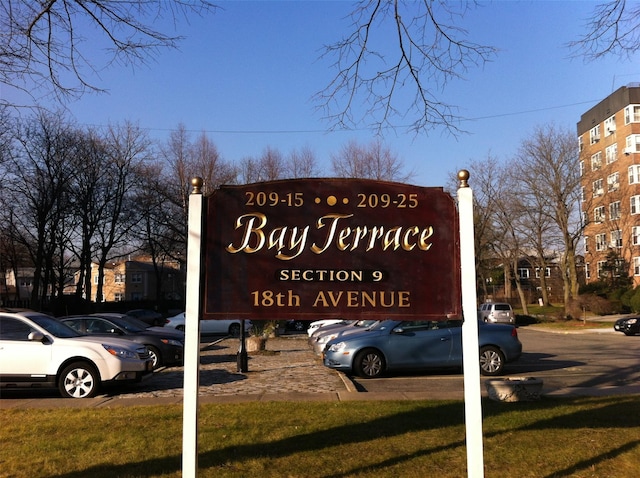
37	350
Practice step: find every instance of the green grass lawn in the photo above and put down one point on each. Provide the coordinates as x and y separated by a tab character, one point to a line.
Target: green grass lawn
596	437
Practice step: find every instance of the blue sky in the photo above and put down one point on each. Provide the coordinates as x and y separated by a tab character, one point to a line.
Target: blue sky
246	75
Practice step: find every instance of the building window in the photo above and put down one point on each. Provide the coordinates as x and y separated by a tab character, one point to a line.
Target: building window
136	278
587	270
118	278
586	243
547	272
583	194
581	168
598	214
632	114
118	296
601	242
594	134
580	144
596	161
614	210
611	153
613	182
597	188
635	235
636	266
600	267
136	296
616	239
634	174
610	125
632	144
585	218
523	273
635	204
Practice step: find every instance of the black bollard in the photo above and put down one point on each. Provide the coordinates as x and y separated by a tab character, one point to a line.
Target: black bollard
241	359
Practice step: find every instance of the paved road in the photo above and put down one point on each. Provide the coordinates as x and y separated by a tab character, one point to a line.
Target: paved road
565	361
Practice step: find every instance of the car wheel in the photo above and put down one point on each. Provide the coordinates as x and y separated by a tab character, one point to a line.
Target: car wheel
79	380
369	363
234	330
491	361
154	355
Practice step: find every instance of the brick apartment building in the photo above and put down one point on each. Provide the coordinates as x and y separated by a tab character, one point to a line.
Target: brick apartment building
609	143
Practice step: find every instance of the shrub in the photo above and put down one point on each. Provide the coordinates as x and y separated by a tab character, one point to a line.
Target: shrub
634	302
594	303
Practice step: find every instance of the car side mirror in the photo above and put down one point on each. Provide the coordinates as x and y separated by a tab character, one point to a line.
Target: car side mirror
36	337
398	330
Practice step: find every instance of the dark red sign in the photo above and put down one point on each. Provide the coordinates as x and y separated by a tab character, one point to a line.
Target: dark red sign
318	248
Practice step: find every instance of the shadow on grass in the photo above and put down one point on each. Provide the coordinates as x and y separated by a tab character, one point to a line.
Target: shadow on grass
599	413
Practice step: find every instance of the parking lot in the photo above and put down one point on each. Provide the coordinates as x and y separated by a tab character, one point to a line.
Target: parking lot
588	363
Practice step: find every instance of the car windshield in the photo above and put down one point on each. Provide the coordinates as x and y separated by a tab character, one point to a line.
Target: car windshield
383	324
132	325
54	327
133	322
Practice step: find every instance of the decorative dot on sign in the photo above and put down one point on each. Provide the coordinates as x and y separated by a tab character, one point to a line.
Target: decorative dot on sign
331	200
345	201
317	201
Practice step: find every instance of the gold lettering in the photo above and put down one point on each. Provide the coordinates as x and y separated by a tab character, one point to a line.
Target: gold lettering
406	245
425	234
392	237
249	231
331	231
364	299
291	242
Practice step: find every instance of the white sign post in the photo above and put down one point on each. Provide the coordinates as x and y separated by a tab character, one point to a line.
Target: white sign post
470	343
192	335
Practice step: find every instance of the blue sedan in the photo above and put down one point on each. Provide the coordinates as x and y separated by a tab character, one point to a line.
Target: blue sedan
403	345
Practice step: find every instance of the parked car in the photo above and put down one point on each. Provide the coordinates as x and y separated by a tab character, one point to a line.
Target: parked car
496	312
230	327
404	345
150	317
320	339
317	324
628	325
297	325
166	347
37	350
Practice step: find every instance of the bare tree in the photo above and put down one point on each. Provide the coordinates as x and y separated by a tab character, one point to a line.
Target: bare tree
484	178
269	166
546	168
374	161
169	188
425	51
46	42
127	147
36	179
613	29
302	163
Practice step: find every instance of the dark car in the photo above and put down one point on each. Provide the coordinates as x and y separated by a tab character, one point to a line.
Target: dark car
392	345
628	325
150	317
165	347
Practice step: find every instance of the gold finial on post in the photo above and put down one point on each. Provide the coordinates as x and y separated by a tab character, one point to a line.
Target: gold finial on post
197	185
463	176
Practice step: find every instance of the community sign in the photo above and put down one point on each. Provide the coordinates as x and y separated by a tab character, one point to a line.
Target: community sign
321	248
